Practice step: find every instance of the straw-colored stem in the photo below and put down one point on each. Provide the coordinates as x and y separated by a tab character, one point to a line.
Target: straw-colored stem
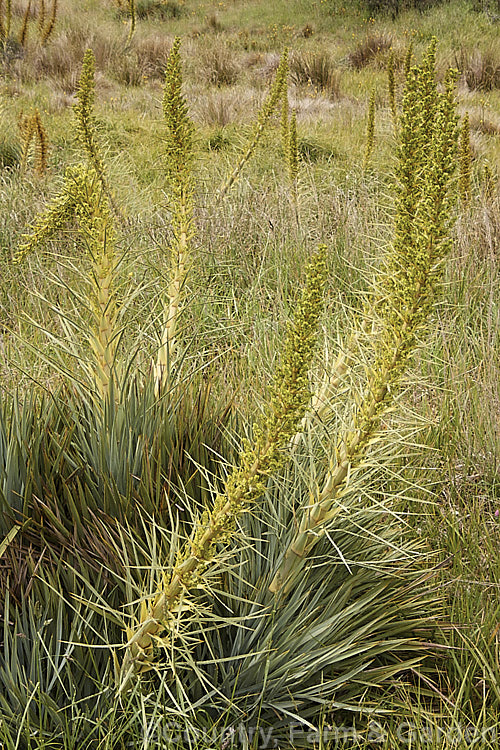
180	252
276	93
103	339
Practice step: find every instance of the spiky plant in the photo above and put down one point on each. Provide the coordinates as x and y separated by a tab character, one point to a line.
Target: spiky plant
27	128
46	31
85	124
407	287
83	200
179	156
41	16
289	143
246	483
32	129
72	481
23	34
131	10
119	518
285	116
5	20
271	101
408	59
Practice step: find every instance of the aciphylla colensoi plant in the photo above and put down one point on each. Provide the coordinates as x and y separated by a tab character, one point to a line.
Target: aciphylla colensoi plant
179	159
261	458
405	291
85	201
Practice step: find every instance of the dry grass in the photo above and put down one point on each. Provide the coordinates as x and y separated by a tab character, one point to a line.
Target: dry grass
316	69
220	108
216	65
484	125
152	53
162	10
146	59
480	69
61	60
369	49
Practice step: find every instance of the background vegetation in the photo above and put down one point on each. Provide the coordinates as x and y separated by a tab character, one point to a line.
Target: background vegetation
441	471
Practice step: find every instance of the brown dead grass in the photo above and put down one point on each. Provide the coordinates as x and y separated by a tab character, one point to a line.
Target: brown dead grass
480	69
316	69
369	49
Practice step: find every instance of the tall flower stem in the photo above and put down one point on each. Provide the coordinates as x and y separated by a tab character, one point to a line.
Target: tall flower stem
246	483
406	290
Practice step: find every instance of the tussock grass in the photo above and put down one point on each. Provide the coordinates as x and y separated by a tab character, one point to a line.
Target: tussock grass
480	68
369	50
318	71
216	64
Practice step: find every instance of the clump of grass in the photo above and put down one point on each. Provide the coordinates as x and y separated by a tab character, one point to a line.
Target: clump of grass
10	153
312	149
316	69
218	140
213	23
218	65
368	50
480	69
482	124
152	55
159	9
163	10
218	108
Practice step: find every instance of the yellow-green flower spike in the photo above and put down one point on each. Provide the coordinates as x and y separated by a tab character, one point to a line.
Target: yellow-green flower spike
391	85
86	126
406	288
179	156
246	483
271	101
83	201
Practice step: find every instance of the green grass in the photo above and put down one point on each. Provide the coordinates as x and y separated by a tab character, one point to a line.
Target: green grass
250	257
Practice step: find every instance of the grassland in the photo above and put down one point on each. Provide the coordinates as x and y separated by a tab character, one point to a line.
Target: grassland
441	474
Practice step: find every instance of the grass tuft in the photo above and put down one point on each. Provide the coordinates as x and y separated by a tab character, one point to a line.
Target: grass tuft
368	50
317	70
